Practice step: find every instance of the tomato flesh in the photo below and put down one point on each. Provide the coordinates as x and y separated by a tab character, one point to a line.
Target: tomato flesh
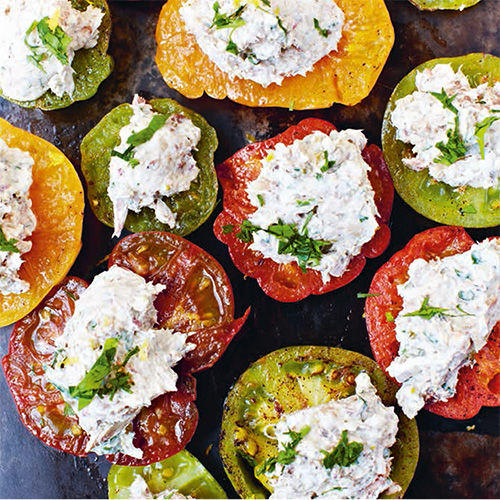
287	282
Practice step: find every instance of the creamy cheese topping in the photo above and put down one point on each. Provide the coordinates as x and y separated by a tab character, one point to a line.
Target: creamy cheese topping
139	489
366	420
450	306
320	183
17	220
264	40
422	119
161	166
38	40
117	305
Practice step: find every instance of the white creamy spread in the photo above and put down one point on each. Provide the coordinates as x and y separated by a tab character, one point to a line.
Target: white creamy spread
117	305
17	220
162	166
462	302
322	180
421	119
139	489
29	65
264	40
366	420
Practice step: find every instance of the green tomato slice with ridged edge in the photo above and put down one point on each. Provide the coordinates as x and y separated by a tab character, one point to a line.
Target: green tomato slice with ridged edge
191	207
294	378
182	472
91	66
464	206
444	4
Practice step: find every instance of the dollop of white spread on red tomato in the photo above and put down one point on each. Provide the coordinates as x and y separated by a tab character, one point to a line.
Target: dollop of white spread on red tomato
17	220
29	66
321	180
462	305
140	489
264	40
162	166
118	304
367	421
422	120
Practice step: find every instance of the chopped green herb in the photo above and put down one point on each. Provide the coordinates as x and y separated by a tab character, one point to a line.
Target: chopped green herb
228	228
246	231
280	25
464	313
233	20
261	200
344	454
68	410
445	100
328	163
428	312
389	317
247	458
147	133
304	203
70	295
127	155
267	3
481	129
363	218
7	245
291	105
475	258
321	31
454	149
232	48
366	295
253	58
285	456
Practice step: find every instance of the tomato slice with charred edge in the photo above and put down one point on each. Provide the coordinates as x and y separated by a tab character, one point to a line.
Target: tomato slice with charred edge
478	385
287	282
198	298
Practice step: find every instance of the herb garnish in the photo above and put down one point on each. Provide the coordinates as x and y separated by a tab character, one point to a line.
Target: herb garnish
328	163
95	383
55	40
261	200
227	229
344	454
233	20
323	32
445	100
285	456
428	312
366	295
8	245
481	128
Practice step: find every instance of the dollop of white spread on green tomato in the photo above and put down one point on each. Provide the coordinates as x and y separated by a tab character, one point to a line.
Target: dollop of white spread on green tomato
454	128
111	361
17	220
450	306
314	203
264	40
154	159
140	489
38	41
339	449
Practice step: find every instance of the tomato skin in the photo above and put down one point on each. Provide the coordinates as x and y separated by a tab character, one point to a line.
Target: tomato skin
287	282
478	385
198	298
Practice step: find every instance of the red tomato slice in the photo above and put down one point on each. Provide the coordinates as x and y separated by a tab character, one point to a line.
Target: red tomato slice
287	282
198	299
477	386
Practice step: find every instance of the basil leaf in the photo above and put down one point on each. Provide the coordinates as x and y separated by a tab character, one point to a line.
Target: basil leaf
55	41
147	133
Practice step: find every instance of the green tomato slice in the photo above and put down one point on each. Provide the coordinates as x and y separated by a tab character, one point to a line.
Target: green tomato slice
182	472
291	379
91	66
444	4
191	207
438	201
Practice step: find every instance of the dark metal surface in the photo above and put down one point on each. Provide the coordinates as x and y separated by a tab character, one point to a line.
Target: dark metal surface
458	458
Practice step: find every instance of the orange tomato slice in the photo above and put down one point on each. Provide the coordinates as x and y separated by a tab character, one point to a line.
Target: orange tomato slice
344	76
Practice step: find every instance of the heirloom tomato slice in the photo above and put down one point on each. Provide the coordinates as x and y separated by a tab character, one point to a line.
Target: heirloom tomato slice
182	472
191	207
444	4
346	75
91	66
465	206
57	202
291	379
198	298
478	385
287	282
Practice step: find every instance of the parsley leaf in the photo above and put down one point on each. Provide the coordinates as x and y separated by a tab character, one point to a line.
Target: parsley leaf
323	32
285	456
54	40
344	454
328	163
445	100
233	20
227	229
480	130
428	312
454	149
7	245
246	231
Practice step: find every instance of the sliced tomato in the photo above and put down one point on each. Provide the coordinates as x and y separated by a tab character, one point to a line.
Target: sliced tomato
198	299
287	282
444	4
478	385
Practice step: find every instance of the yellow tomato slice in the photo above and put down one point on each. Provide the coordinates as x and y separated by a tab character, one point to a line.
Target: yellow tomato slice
57	198
344	76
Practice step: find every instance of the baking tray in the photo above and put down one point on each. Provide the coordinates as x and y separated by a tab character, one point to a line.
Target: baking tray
459	459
